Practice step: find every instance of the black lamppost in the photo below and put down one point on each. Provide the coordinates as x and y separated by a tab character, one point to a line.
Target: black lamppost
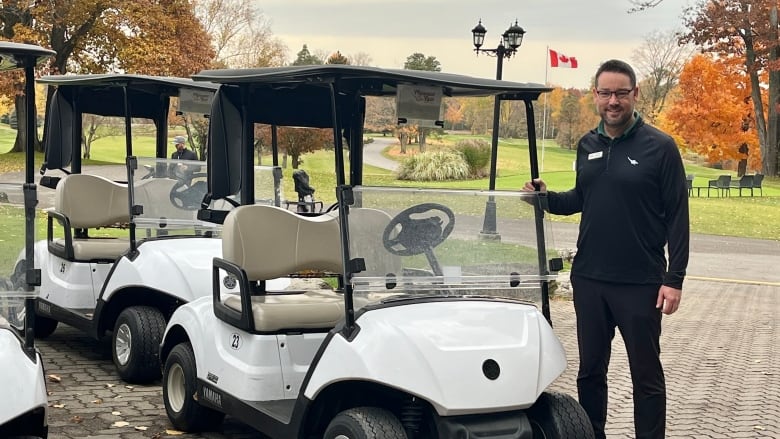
511	39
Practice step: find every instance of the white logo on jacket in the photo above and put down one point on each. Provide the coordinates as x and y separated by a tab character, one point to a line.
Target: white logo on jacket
632	161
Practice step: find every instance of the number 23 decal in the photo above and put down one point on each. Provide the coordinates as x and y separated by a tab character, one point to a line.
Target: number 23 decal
235	341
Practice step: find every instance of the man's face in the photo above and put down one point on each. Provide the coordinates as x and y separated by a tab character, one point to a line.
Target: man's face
615	99
179	146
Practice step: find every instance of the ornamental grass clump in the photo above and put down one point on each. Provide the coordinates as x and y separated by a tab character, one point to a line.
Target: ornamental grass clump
434	166
476	152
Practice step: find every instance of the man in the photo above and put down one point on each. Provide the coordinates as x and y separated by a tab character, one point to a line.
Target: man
182	152
631	190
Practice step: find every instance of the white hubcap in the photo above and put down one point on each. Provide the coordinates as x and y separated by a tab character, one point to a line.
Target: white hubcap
176	387
123	344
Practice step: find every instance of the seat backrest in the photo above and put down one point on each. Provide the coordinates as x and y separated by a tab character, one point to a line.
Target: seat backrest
270	242
746	181
724	180
757	180
689	179
91	201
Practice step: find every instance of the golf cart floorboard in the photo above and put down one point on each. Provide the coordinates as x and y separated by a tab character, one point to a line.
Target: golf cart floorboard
281	410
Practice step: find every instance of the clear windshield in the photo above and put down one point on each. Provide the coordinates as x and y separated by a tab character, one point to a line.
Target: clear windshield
12	243
435	242
170	193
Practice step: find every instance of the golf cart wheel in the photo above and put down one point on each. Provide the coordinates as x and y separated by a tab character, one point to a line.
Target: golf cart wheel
559	416
179	393
44	326
365	423
136	343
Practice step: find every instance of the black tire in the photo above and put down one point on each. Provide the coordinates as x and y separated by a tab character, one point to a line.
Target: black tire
365	423
44	326
179	389
559	416
135	344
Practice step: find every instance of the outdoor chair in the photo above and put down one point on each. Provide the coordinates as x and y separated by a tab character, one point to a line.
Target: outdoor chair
758	179
305	191
722	186
744	182
689	180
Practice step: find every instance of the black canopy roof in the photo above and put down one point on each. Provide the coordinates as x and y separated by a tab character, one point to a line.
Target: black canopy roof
11	54
371	81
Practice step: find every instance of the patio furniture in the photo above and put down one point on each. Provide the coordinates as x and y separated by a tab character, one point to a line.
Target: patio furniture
744	182
722	186
758	179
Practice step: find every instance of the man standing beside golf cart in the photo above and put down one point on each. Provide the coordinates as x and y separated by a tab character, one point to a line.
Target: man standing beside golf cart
631	191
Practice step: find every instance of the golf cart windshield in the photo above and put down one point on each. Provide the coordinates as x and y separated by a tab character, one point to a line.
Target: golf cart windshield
12	229
168	193
420	242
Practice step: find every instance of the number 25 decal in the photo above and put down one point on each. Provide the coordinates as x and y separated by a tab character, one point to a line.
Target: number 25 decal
235	341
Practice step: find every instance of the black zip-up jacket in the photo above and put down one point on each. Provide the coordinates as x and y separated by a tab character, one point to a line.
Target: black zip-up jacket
634	200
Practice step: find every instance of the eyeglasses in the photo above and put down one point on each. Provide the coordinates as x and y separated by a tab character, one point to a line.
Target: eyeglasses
621	94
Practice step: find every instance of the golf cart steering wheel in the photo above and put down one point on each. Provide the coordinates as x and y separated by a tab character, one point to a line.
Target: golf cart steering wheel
184	194
406	235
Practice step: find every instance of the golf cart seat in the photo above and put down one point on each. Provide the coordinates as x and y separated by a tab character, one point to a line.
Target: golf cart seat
262	242
82	202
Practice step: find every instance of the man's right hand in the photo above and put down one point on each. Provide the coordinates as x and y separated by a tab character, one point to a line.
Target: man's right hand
529	186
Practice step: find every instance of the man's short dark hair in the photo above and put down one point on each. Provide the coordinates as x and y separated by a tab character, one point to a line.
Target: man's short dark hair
616	66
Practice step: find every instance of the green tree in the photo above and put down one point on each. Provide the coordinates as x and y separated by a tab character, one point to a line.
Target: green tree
418	61
306	58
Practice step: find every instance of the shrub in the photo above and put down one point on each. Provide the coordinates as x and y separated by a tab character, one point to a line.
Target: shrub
476	152
434	166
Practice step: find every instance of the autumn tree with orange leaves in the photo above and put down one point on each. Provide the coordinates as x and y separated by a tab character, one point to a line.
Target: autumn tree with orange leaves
97	36
747	30
713	115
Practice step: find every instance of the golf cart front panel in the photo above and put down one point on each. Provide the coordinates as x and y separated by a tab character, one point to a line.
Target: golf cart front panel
445	312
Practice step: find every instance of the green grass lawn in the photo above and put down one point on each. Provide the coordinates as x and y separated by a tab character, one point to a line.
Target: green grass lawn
755	217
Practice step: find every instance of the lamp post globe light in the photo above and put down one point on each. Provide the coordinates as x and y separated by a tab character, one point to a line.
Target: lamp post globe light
511	39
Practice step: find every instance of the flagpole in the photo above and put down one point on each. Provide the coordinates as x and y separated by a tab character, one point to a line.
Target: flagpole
544	114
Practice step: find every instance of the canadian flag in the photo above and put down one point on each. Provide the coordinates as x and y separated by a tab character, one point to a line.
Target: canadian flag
558	59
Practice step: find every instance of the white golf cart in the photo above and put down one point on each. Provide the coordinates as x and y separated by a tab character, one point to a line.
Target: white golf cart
429	330
124	246
24	402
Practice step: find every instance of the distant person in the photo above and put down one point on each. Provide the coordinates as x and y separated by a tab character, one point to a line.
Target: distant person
630	188
182	152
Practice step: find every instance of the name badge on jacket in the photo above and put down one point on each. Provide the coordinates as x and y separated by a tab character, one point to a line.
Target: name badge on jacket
595	155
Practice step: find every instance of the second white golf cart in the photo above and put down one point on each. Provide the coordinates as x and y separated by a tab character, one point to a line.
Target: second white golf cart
124	247
430	330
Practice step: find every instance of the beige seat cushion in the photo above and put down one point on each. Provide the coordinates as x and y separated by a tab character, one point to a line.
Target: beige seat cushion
305	310
97	248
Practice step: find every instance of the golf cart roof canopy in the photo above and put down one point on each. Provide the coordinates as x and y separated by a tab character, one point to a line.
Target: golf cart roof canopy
11	54
330	96
104	95
371	81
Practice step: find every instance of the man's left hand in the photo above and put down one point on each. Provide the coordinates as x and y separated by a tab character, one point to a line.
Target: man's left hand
668	299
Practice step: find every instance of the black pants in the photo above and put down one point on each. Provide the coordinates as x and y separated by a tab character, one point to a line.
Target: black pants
600	307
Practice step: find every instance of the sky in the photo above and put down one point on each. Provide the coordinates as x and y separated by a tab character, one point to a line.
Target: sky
388	31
